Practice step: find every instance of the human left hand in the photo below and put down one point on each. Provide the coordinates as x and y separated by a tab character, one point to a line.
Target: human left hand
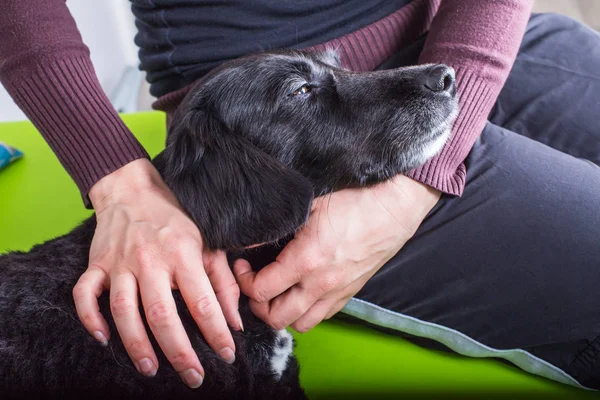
349	236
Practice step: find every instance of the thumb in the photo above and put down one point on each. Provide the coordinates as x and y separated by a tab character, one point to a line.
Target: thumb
244	275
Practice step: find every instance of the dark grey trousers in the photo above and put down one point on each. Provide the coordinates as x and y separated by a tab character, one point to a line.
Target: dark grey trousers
512	268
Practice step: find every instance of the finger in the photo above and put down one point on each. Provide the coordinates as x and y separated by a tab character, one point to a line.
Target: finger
125	311
336	308
350	291
85	295
226	288
271	280
244	275
161	313
312	317
205	309
261	310
325	308
287	307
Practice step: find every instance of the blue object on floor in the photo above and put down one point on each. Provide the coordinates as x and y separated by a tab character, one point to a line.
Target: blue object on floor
8	154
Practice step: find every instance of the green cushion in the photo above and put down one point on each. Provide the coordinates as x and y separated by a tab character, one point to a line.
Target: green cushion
39	201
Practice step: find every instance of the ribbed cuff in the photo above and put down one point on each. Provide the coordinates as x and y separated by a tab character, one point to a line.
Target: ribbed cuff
66	103
446	172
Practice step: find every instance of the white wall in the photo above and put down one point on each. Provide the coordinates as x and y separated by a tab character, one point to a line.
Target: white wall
586	11
107	28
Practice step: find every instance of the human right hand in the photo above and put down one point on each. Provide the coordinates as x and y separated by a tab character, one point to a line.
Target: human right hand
144	242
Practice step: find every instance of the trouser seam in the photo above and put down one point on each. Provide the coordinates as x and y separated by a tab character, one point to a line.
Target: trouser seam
595	342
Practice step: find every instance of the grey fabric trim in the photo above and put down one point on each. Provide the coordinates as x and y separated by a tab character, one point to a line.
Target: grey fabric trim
455	340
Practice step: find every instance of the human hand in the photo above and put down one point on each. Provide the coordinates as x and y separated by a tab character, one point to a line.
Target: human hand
144	239
349	236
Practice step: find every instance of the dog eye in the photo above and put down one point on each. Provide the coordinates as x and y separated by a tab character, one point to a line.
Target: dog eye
302	89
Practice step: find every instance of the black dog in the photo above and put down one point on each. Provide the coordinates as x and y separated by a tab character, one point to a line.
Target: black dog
247	150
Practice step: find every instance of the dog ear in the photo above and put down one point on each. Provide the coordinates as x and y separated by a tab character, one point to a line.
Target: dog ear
237	194
330	57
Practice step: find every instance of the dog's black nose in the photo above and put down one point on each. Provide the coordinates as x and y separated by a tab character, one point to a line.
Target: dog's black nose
440	78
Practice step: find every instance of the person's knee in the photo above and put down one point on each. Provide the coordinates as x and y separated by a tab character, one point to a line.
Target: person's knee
558	30
554	22
534	181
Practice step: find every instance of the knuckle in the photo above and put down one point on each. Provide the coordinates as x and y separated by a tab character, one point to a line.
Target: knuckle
223	339
184	242
182	360
234	290
100	259
329	282
259	295
204	307
160	315
178	248
136	347
332	313
88	319
311	262
277	324
308	266
121	306
144	254
173	239
79	292
297	309
301	327
259	311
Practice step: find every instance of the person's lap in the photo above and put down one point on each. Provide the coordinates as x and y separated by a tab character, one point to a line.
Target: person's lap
552	93
511	269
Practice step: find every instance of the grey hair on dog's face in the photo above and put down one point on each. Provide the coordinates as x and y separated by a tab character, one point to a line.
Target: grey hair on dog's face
261	135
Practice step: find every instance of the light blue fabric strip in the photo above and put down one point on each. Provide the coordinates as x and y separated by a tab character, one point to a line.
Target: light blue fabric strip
455	340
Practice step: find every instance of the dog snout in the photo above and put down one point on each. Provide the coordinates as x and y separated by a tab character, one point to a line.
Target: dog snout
439	79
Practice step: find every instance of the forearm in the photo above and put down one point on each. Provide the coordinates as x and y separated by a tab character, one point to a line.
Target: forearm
46	68
480	40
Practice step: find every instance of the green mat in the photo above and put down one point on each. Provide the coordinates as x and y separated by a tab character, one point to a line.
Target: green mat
338	359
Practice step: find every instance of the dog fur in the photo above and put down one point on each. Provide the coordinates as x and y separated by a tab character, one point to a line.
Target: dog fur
250	146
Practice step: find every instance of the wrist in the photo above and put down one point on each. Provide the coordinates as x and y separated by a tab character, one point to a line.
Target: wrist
408	187
125	183
405	196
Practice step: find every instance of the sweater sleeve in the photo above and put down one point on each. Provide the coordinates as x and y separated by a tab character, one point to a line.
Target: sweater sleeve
46	68
480	40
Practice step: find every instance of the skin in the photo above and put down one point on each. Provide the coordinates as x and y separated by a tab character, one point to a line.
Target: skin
146	245
349	236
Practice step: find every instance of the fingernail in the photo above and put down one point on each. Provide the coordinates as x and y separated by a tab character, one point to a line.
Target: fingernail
227	354
241	326
99	336
147	367
192	378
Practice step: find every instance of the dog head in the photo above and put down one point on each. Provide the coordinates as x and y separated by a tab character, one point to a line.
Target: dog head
256	138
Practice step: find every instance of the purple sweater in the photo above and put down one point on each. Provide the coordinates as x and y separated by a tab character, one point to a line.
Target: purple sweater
46	68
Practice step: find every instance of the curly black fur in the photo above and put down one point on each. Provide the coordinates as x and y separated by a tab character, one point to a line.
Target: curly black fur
246	152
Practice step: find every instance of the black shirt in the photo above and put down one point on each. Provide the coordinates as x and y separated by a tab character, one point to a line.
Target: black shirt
181	40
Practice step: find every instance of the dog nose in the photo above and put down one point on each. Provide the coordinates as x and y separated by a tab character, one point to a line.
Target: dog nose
440	78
